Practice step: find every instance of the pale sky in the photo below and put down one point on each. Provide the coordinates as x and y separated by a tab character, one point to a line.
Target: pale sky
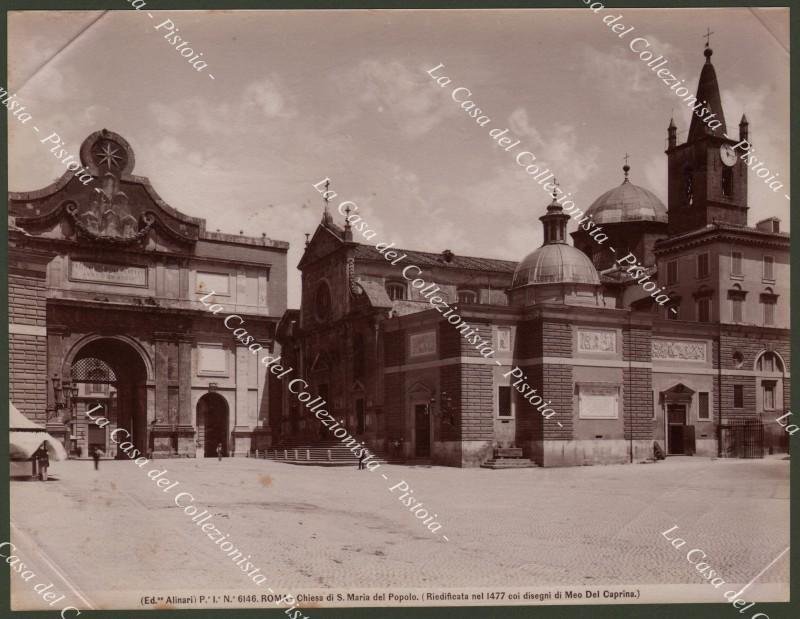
301	95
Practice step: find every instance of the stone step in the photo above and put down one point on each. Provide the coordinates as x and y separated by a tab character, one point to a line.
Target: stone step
508	463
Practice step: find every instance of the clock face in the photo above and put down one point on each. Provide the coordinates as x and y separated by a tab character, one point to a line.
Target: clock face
727	155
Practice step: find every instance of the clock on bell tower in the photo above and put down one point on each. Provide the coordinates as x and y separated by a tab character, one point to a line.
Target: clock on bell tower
707	177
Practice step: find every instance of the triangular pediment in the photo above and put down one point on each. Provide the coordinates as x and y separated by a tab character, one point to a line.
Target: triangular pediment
102	203
326	240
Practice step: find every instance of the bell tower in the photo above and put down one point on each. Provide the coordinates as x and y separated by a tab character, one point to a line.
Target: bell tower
707	177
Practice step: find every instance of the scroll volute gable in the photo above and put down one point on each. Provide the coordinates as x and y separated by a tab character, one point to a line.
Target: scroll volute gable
114	208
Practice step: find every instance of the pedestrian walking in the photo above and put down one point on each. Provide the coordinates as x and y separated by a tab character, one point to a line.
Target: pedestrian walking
361	461
43	461
219	452
96	456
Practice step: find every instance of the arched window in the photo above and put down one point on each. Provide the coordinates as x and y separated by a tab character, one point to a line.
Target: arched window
769	361
467	296
396	291
727	182
688	184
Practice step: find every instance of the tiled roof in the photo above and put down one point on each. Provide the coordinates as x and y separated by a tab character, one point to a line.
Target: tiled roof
426	259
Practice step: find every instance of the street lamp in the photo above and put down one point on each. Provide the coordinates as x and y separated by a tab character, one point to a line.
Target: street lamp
65	396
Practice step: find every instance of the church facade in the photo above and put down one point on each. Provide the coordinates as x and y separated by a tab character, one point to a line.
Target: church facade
624	374
105	310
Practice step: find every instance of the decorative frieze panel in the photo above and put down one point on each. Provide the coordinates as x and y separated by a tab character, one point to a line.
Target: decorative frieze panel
420	344
679	350
597	340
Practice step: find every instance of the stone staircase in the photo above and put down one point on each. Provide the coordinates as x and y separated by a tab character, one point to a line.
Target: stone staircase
318	453
508	458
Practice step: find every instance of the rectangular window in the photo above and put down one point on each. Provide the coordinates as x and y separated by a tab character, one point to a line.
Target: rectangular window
769	271
736	310
702	266
738	396
769	313
672	272
703	410
704	310
504	401
769	394
736	263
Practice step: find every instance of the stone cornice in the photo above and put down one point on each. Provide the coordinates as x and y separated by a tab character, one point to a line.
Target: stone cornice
722	232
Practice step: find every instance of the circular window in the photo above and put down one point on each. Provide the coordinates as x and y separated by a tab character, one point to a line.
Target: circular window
322	302
738	359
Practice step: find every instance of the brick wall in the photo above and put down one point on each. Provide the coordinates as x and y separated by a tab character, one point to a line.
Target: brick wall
636	344
529	420
477	410
27	306
482	330
28	375
450	383
449	344
394	352
528	344
638	403
637	391
749	392
27	299
557	339
557	388
750	346
393	404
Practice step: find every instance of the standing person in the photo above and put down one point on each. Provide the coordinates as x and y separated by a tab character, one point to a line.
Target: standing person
219	451
361	461
96	456
43	460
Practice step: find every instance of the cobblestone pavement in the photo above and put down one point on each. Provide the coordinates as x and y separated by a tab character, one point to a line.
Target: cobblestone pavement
318	527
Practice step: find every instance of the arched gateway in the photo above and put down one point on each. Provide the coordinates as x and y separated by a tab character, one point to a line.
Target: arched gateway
111	376
212	424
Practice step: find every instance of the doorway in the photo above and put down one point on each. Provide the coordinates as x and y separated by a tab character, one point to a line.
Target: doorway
422	427
212	424
676	422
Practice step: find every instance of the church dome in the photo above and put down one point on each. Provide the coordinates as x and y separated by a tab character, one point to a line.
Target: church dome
627	202
555	263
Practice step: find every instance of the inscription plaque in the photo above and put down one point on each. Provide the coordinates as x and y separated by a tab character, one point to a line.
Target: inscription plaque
107	273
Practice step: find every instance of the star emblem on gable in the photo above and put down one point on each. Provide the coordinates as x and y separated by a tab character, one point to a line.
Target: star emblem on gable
108	155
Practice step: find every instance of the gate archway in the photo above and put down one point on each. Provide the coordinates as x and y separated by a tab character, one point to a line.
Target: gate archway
111	372
212	424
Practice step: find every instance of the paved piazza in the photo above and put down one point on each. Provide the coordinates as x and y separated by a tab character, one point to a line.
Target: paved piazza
309	527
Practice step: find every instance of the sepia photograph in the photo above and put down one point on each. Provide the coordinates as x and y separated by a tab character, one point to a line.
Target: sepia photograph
398	308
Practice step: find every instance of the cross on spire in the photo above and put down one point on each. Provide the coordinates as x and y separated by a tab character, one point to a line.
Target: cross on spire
325	195
626	158
555	184
707	35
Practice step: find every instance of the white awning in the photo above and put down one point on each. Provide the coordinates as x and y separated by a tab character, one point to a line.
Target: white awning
25	436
